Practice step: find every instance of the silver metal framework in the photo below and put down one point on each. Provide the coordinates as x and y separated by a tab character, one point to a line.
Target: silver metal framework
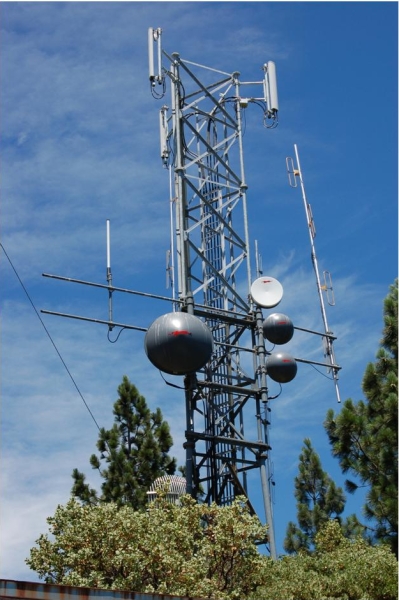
202	147
201	143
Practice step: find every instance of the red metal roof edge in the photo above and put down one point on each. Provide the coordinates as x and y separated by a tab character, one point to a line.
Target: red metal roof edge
10	589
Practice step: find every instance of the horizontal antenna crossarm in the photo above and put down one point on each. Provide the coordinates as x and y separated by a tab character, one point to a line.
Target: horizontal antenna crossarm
328	335
226	316
109	323
320	364
228	388
242	348
111	288
189	62
247	463
225	440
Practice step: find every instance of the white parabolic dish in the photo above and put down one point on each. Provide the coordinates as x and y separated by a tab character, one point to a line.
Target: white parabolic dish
267	291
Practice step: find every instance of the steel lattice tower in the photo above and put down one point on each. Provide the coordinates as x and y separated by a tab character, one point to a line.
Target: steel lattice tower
201	142
202	148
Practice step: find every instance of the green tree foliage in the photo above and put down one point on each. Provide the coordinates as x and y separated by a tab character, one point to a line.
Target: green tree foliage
135	453
364	435
339	569
318	500
203	551
189	550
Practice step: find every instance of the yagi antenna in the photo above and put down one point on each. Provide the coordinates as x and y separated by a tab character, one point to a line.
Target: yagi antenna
295	172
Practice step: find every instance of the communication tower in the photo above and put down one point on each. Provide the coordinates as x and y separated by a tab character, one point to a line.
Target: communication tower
201	135
215	332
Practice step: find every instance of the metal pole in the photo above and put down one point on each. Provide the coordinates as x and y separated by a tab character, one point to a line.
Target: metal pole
329	351
262	429
244	186
183	270
181	245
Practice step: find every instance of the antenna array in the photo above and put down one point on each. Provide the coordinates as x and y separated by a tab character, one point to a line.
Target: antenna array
215	336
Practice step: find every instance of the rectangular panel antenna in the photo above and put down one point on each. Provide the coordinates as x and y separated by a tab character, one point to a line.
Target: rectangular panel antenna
272	80
154	35
151	70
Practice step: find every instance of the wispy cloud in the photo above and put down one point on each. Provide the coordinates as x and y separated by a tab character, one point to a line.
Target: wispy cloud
80	145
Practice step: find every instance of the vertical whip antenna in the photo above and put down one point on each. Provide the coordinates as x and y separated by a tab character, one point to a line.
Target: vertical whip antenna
294	171
109	275
171	253
258	259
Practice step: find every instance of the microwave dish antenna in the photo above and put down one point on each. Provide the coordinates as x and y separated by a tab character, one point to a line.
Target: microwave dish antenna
266	292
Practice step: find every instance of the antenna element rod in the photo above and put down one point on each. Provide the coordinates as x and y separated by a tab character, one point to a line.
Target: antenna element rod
109	275
108	248
328	339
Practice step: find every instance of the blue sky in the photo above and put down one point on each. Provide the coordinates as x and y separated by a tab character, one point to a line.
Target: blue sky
80	144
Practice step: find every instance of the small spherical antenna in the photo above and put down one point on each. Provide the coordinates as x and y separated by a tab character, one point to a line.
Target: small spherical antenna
278	328
266	292
281	367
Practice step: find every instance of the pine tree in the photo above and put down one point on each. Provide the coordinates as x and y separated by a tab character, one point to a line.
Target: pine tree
338	569
134	451
318	500
364	435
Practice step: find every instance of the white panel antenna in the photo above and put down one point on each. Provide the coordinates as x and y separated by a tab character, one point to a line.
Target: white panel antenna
154	36
151	68
270	88
271	72
163	128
